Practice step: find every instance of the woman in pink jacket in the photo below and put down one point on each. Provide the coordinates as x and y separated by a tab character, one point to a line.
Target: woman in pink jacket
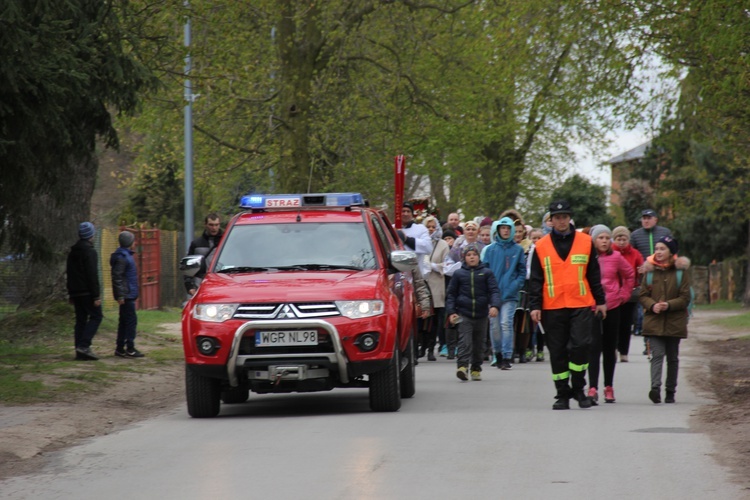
618	279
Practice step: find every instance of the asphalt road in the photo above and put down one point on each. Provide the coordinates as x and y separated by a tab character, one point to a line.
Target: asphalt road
497	438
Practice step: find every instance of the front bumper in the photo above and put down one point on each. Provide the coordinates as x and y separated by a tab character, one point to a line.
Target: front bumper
237	362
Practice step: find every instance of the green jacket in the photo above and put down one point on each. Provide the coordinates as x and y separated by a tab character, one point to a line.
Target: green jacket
673	321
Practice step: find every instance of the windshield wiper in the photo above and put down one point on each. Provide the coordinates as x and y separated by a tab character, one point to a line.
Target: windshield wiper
317	267
244	269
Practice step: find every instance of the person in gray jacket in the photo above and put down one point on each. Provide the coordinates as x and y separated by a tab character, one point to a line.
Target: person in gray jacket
644	238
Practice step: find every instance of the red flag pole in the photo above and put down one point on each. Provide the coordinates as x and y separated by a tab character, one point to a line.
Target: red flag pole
399	172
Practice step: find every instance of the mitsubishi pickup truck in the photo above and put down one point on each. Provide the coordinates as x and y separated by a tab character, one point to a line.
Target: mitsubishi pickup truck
305	292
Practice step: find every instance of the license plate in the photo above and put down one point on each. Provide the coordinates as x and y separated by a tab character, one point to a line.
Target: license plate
286	338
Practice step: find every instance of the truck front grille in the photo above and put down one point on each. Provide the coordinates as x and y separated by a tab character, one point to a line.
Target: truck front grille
300	310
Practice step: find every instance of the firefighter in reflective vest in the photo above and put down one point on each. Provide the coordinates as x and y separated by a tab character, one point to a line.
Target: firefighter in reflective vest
565	293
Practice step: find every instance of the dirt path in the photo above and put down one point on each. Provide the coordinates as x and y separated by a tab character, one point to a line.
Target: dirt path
724	377
28	433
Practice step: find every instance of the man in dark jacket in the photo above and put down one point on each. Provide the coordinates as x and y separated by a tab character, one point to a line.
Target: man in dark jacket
644	238
83	290
203	245
125	291
564	291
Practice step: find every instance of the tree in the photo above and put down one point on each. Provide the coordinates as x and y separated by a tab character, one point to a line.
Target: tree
636	195
484	97
67	65
708	41
589	201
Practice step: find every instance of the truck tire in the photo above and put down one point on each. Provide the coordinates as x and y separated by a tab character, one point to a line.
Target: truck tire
203	395
385	386
235	395
408	372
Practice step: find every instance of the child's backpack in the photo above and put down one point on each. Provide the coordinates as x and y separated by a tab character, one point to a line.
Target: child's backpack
691	304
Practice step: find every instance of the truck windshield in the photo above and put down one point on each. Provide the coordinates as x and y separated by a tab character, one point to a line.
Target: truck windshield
321	246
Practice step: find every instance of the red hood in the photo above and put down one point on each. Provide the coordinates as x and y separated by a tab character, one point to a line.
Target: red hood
289	286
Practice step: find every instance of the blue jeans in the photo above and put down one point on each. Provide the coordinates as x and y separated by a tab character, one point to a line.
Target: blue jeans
638	322
501	330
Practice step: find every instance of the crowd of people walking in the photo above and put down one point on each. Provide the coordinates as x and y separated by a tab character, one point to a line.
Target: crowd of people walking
502	290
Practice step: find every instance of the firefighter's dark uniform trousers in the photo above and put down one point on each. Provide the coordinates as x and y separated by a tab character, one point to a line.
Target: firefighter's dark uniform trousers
568	339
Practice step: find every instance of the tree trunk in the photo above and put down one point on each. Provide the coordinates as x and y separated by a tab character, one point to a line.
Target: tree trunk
501	174
56	219
299	45
746	295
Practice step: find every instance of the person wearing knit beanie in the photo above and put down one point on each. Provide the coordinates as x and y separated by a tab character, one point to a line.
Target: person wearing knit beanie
671	244
620	231
621	238
472	296
82	279
86	230
126	239
599	229
449	236
617	277
471	247
125	292
665	296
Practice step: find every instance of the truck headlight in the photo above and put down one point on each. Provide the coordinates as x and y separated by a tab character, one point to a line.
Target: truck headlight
355	309
216	313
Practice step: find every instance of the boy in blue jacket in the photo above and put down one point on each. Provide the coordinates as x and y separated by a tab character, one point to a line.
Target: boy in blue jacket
507	261
472	294
125	291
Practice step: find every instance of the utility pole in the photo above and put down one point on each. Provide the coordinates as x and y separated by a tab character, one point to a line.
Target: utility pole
189	98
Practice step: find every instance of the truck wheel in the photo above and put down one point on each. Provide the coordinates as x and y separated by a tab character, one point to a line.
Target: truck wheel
385	390
203	395
408	372
235	395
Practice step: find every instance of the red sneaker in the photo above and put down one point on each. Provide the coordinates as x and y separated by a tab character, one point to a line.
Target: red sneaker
593	394
609	394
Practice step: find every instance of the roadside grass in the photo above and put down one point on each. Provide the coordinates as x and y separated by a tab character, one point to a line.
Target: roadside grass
732	322
37	358
721	305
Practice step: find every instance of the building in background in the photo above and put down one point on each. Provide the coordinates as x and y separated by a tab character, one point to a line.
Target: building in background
622	168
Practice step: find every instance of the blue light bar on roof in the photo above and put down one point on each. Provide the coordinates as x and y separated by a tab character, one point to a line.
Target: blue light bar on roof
271	201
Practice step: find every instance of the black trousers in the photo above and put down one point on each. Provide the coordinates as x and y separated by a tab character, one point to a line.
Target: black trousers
604	346
88	319
568	339
627	313
431	329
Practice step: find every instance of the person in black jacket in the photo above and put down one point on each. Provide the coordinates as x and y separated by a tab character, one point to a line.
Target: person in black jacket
565	296
203	245
84	291
472	294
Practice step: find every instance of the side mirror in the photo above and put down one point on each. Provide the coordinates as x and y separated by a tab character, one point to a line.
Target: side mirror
191	265
404	260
